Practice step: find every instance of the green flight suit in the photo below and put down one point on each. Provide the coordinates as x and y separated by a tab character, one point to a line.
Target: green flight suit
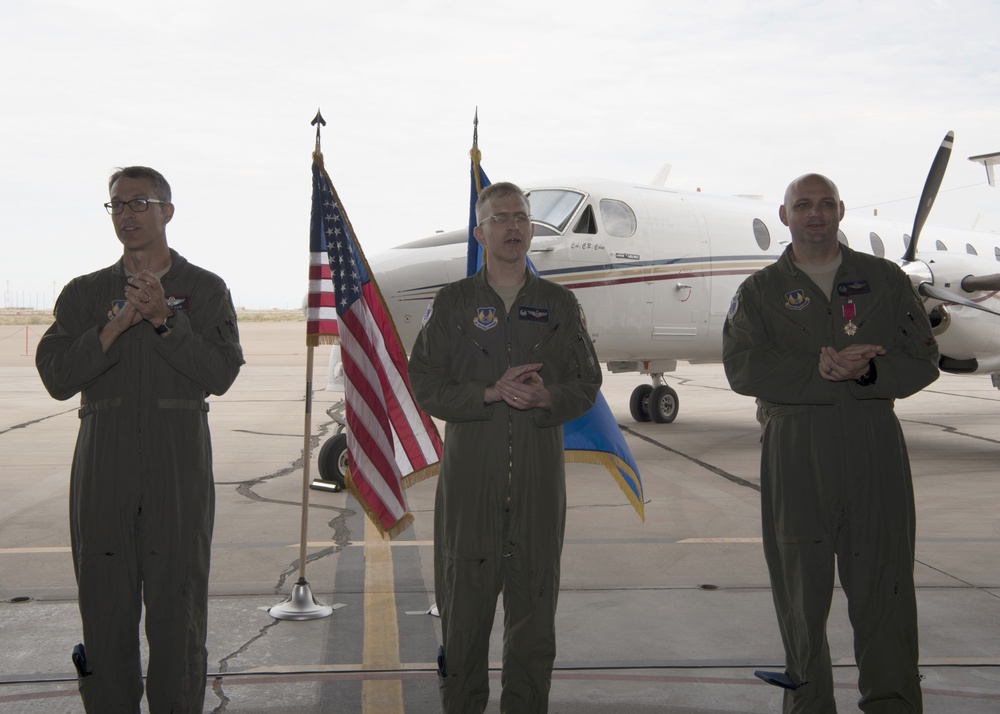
835	474
142	498
500	506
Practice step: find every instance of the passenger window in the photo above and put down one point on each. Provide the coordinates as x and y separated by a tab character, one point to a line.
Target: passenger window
878	248
761	234
970	249
940	245
618	219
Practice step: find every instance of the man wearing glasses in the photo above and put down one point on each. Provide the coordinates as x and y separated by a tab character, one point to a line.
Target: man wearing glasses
143	342
505	359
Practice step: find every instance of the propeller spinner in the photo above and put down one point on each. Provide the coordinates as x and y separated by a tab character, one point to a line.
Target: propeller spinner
919	272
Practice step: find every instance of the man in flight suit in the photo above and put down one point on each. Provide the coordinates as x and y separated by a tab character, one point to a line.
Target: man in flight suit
143	342
505	359
827	338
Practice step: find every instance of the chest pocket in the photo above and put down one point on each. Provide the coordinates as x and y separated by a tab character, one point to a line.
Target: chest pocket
543	346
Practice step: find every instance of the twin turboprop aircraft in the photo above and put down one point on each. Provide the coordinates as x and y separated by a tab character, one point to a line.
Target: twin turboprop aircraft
655	270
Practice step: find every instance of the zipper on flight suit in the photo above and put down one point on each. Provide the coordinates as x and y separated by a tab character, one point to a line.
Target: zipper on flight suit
510	434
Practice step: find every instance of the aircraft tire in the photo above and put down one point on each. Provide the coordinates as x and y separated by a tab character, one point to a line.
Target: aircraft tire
638	404
663	404
332	460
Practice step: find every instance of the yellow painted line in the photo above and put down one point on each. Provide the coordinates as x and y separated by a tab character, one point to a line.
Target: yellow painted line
49	549
381	646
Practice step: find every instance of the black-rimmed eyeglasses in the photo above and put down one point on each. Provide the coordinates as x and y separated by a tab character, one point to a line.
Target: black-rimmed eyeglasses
138	205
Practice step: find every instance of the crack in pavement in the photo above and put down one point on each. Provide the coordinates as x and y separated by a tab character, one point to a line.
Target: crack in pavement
952	430
39	420
219	681
704	464
340	536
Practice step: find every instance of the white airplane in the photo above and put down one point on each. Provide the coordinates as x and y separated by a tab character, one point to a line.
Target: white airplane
655	270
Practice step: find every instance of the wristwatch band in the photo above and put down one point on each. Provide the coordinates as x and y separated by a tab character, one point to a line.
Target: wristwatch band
165	326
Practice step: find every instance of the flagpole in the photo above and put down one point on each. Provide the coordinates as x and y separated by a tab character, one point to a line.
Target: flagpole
301	605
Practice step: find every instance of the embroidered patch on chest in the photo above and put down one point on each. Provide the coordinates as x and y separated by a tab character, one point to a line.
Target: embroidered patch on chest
796	299
486	318
532	314
178	302
853	287
116	307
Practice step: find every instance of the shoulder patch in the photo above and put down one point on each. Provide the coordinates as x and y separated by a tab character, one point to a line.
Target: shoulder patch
427	312
734	307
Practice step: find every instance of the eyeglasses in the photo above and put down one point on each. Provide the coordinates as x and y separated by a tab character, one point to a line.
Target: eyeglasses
506	218
138	205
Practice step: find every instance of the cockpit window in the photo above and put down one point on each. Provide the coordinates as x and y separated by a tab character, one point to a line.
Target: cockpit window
553	207
587	224
619	220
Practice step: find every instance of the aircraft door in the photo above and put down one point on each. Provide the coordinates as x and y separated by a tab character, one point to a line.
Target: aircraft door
607	244
680	274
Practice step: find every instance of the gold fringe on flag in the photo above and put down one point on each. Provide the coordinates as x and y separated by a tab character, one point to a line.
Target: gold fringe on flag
612	464
398	527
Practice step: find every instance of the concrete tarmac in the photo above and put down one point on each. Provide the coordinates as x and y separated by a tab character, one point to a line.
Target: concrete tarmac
671	615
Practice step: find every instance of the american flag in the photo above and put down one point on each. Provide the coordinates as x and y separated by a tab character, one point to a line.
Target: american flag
391	443
321	313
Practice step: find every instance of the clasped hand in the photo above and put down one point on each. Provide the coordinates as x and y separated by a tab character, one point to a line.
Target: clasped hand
848	363
520	387
146	300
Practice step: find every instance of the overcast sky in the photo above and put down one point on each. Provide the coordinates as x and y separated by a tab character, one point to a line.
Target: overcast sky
739	97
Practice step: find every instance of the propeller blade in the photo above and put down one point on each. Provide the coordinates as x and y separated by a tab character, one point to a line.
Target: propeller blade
974	283
931	186
928	290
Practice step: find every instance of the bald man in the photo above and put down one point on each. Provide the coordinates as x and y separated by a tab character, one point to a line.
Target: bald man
827	338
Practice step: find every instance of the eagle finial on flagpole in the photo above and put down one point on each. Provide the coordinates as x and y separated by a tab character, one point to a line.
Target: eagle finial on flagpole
474	151
317	122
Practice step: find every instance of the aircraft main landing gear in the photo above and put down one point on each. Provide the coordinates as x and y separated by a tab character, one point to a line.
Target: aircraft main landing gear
655	402
332	460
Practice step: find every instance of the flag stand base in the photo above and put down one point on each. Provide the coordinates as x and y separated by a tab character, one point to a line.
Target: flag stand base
300	605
